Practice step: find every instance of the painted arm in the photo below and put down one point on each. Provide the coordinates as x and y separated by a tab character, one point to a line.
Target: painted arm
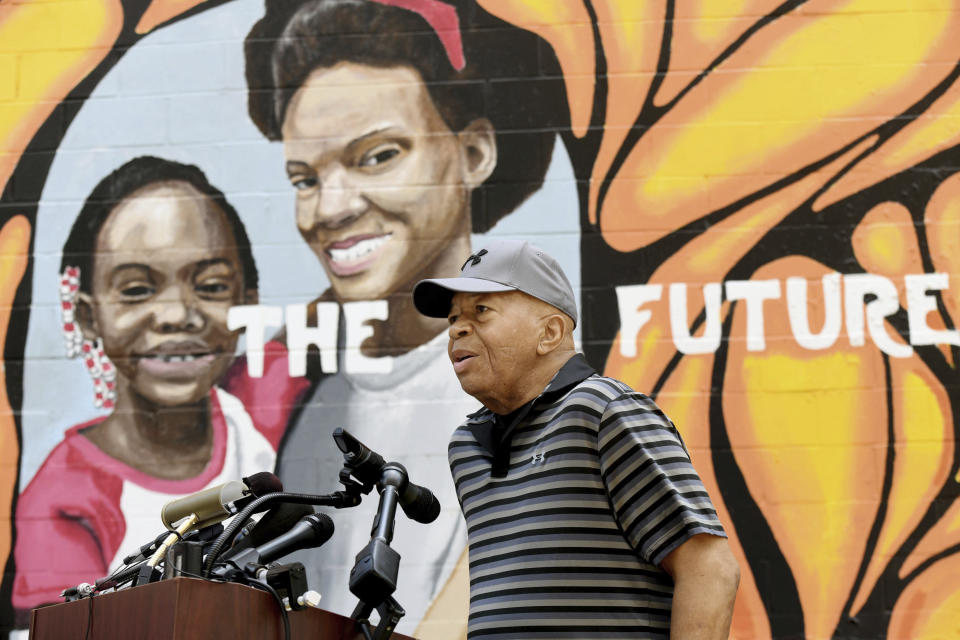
705	576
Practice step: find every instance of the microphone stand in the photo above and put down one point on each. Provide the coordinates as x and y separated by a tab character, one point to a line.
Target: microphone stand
373	578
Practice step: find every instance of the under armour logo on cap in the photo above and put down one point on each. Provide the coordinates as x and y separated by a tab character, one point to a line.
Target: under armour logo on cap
507	264
475	258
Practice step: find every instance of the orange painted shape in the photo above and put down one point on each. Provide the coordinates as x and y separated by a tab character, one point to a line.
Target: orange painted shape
686	399
921	463
929	608
14	250
566	26
702	29
943	535
631	33
708	258
160	11
942	228
805	427
755	119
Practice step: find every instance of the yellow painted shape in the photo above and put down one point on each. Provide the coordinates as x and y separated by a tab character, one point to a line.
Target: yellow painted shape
56	43
566	26
803	458
835	64
919	467
14	249
885	242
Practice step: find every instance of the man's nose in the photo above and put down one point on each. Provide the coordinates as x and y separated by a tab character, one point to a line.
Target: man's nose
459	328
339	201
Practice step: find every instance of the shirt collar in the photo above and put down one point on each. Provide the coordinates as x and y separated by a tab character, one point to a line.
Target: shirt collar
494	432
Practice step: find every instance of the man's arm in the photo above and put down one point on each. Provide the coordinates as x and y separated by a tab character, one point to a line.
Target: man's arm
705	576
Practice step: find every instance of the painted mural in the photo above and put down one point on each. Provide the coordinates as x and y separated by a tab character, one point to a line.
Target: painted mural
213	214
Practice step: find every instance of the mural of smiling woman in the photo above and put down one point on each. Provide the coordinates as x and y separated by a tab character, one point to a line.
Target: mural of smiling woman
159	318
396	156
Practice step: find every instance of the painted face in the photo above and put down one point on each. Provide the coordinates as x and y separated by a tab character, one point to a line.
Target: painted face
379	177
493	344
165	274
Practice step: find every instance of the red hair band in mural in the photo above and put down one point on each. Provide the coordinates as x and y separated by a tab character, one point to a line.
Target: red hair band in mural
443	18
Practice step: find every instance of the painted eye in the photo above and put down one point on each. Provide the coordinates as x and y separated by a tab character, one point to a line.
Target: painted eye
136	290
303	183
213	287
379	156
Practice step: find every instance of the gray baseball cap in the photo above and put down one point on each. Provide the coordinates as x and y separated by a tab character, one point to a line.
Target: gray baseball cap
504	265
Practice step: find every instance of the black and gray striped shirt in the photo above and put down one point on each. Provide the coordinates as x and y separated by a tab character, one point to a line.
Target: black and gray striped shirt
571	504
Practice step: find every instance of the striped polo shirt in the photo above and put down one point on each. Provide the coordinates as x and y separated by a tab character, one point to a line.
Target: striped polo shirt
571	504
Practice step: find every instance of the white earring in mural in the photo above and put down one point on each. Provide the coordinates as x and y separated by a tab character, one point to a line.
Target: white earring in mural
101	370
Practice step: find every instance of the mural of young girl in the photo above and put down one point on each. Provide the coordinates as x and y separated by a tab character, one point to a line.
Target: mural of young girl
153	263
399	143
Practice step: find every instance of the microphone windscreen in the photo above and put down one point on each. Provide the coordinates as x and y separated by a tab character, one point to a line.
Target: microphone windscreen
424	508
209	505
262	483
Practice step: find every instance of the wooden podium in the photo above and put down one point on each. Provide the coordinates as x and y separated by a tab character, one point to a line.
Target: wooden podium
186	608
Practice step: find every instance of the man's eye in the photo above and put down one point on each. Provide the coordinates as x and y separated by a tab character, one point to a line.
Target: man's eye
303	183
451	319
136	290
379	156
481	308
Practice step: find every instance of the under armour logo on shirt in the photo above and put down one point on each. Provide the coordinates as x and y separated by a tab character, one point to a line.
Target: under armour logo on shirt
537	458
475	258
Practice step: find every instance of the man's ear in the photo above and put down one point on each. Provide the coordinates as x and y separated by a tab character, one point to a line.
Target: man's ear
478	144
551	334
85	317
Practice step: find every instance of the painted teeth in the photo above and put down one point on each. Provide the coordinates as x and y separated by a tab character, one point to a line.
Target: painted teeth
358	250
177	358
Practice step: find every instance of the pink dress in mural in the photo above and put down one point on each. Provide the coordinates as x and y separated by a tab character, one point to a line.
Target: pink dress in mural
84	511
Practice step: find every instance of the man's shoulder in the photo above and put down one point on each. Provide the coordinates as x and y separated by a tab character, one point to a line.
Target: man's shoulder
603	387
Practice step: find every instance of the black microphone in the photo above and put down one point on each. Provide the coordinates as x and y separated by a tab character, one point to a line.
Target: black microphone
277	521
417	502
310	531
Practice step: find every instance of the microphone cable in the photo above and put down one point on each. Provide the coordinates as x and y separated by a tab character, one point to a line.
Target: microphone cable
338	500
284	616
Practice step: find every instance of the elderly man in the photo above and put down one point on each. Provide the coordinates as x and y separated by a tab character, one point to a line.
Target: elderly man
585	516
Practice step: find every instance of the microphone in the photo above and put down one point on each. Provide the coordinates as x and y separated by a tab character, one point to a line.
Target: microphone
310	531
417	502
277	521
262	483
217	503
210	505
